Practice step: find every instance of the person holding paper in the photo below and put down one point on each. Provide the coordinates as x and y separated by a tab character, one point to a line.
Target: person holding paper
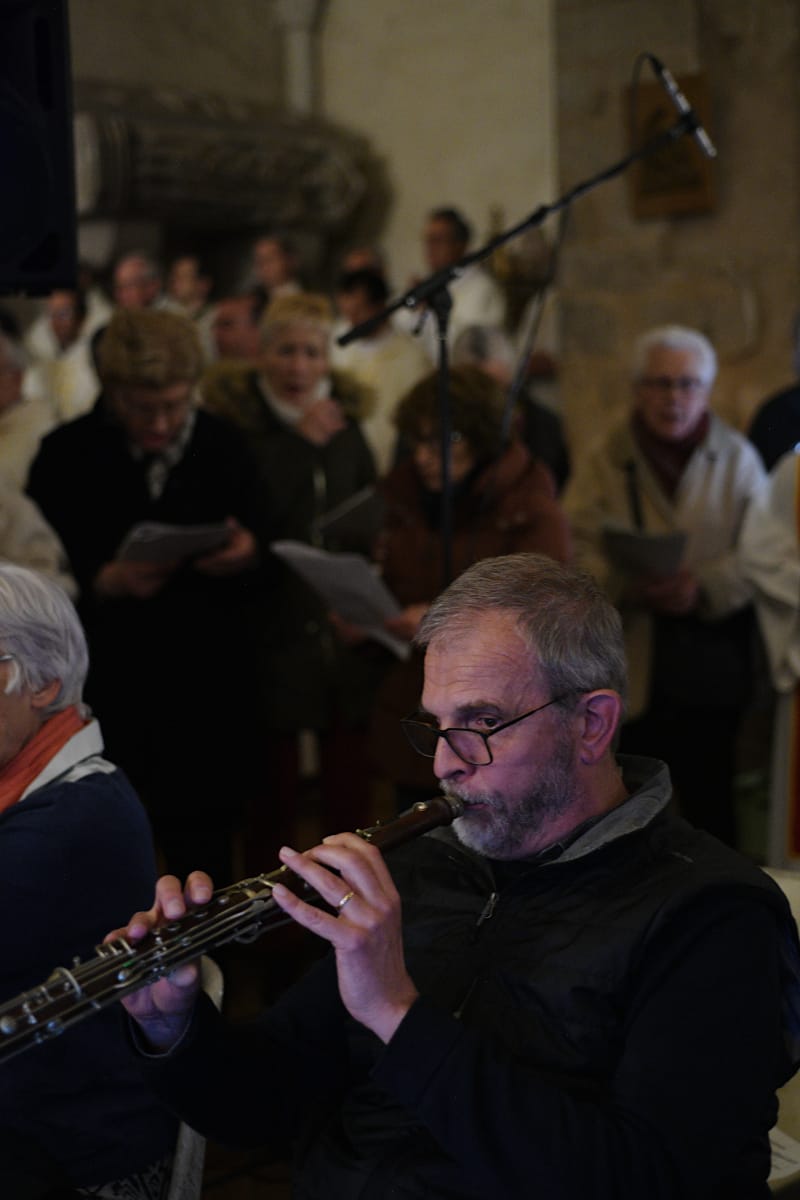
672	466
504	502
168	638
302	422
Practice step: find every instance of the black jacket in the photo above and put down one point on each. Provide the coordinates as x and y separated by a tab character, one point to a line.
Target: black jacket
606	1022
160	666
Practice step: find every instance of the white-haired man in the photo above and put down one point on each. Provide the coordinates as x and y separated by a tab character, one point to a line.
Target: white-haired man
75	849
582	994
672	466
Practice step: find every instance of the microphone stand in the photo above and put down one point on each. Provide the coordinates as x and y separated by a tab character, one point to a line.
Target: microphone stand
530	334
433	291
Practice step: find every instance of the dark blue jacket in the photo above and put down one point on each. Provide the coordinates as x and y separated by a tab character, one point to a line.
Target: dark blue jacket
76	860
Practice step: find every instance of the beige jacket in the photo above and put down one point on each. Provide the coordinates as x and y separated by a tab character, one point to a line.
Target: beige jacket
722	476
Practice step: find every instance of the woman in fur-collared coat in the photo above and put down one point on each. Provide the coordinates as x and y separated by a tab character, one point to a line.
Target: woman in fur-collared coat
301	422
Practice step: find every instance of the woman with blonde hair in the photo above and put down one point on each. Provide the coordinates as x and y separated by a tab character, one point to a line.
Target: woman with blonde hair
301	420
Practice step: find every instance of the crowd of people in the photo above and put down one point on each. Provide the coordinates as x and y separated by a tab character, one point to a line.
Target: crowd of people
157	448
316	423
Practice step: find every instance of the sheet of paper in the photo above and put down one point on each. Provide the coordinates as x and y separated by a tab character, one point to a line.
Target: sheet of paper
644	553
785	1155
154	542
349	585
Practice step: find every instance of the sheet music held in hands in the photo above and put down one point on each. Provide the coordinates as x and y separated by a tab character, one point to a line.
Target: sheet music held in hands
349	585
154	542
642	553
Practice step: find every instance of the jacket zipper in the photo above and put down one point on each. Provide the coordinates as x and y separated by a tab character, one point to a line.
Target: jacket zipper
486	915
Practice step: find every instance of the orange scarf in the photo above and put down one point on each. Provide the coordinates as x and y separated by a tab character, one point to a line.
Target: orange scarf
34	756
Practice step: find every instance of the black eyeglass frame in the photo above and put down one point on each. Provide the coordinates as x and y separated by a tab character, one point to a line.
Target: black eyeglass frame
408	724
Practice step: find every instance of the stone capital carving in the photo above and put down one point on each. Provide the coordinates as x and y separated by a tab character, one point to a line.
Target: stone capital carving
213	164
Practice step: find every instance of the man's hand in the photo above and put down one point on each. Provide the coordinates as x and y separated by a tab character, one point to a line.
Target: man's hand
238	553
321	421
365	933
671	595
139	580
347	633
163	1009
407	622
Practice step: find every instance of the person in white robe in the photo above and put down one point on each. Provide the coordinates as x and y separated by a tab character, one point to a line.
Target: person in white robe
769	554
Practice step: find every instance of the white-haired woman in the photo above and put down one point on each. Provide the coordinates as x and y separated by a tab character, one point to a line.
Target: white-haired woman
75	854
672	466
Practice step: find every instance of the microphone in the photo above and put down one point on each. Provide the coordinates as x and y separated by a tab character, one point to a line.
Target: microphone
683	106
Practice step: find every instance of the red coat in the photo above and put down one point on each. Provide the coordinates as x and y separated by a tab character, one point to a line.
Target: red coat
511	507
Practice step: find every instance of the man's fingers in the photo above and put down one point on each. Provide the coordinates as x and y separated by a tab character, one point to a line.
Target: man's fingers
358	860
358	866
170	899
184	977
171	902
327	885
199	887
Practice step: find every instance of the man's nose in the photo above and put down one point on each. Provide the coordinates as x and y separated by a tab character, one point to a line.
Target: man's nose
447	764
158	422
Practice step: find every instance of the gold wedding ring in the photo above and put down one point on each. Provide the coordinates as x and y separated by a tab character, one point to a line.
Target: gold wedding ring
346	898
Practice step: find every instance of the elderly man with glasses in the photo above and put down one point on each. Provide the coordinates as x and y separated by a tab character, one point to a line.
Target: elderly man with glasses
581	995
656	507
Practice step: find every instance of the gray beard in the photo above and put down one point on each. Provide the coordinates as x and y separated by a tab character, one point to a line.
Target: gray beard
503	832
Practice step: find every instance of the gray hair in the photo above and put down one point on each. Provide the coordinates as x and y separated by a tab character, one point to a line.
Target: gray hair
11	353
675	337
562	615
39	627
477	344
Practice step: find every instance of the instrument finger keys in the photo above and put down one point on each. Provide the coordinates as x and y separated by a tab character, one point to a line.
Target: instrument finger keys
346	898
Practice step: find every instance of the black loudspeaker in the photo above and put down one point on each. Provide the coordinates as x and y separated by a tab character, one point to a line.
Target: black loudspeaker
37	180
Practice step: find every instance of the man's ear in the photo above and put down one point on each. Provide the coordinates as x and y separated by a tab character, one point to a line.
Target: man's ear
47	694
600	713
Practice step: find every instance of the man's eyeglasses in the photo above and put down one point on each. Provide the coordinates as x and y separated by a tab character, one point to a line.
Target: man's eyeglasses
668	383
471	746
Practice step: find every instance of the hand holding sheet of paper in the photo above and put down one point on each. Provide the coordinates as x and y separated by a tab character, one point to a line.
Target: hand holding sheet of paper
350	587
641	553
154	542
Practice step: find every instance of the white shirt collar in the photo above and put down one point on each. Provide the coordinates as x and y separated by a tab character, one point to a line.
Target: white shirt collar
82	745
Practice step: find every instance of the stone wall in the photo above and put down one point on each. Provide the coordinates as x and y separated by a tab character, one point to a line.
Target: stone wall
456	96
732	273
228	47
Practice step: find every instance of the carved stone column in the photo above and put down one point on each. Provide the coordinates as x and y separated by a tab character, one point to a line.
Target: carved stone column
297	19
